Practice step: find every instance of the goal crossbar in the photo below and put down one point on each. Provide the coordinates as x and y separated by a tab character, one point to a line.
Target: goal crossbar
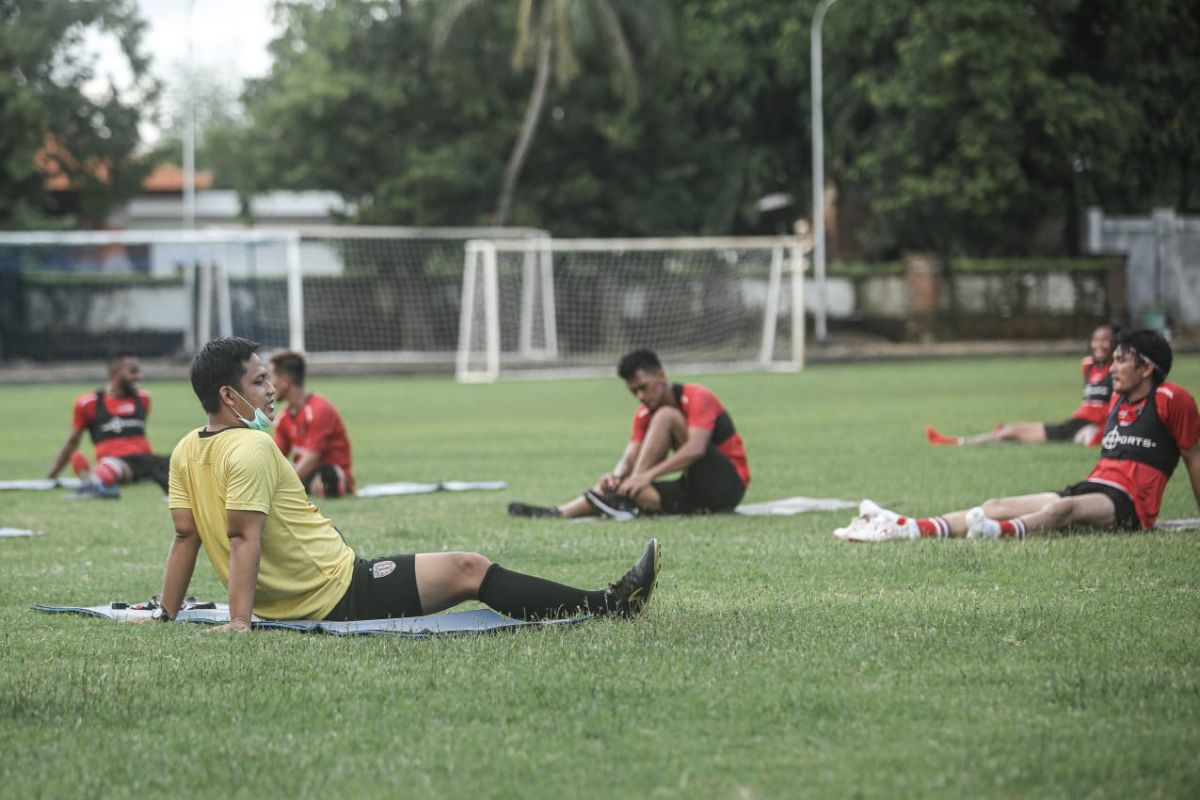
520	297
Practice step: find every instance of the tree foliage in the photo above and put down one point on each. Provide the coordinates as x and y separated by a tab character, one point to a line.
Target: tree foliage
968	127
56	112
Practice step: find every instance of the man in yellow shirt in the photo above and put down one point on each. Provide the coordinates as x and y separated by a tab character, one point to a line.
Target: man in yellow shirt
233	492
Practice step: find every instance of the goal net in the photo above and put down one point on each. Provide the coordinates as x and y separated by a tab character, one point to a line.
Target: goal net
340	293
540	306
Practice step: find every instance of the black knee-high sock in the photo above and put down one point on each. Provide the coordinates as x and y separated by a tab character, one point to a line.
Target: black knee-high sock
527	597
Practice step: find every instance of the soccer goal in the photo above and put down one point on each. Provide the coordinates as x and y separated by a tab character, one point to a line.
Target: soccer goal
345	295
542	306
81	294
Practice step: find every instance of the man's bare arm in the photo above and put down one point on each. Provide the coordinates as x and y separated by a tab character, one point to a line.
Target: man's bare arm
610	482
69	446
245	547
1191	460
681	459
307	465
181	561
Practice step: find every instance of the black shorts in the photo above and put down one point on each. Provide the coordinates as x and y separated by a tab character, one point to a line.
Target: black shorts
328	480
380	588
711	483
1064	431
1127	518
150	467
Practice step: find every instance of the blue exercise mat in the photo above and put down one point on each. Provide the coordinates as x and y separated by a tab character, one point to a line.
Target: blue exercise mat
483	620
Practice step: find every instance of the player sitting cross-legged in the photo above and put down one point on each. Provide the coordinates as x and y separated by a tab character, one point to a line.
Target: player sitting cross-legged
1149	427
115	417
234	494
677	428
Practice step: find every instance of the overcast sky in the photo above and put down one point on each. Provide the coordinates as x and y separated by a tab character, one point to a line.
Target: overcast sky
229	36
229	43
229	39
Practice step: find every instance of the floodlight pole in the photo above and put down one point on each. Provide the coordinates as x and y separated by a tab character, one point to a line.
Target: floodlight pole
189	135
818	172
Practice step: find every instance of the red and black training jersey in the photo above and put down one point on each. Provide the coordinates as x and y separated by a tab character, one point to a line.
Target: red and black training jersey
315	426
117	425
1097	392
702	409
1141	445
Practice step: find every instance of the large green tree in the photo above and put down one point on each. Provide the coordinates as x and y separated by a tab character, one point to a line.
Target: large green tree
989	126
356	103
976	127
959	125
547	31
53	103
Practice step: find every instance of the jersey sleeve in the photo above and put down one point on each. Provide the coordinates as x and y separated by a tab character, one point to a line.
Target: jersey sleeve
83	412
641	423
1177	410
702	408
252	474
145	398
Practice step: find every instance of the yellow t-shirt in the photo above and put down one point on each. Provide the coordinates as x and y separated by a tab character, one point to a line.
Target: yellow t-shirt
305	567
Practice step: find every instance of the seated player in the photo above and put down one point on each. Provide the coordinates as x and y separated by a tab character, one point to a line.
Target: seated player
115	417
1085	424
234	494
311	433
677	428
1150	425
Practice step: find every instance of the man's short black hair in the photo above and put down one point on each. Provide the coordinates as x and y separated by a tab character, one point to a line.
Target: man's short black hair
290	363
220	363
120	355
1113	328
1149	345
643	359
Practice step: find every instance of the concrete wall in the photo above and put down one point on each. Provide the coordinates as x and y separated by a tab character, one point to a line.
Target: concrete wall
1163	254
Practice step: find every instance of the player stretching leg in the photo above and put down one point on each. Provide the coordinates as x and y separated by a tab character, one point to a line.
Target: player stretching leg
1149	427
1085	424
677	428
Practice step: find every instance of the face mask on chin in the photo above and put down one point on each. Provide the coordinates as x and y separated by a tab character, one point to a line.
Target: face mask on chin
259	422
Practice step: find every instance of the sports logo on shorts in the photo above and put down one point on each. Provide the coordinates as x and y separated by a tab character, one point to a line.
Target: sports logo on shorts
381	569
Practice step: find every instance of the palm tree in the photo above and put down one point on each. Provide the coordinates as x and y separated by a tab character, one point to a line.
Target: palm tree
545	35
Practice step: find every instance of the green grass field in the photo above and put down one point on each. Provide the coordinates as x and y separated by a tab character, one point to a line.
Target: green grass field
774	661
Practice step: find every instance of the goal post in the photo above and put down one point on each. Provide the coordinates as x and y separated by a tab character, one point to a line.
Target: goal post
353	297
79	294
477	302
540	306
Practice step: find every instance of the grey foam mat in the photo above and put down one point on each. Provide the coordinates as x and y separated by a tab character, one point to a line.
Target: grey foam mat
482	620
405	488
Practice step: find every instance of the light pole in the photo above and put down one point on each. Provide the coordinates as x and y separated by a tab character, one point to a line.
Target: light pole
189	134
818	172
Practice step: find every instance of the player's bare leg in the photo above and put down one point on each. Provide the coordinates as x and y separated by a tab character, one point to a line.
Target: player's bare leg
1001	508
880	524
1020	432
447	579
1080	511
667	432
